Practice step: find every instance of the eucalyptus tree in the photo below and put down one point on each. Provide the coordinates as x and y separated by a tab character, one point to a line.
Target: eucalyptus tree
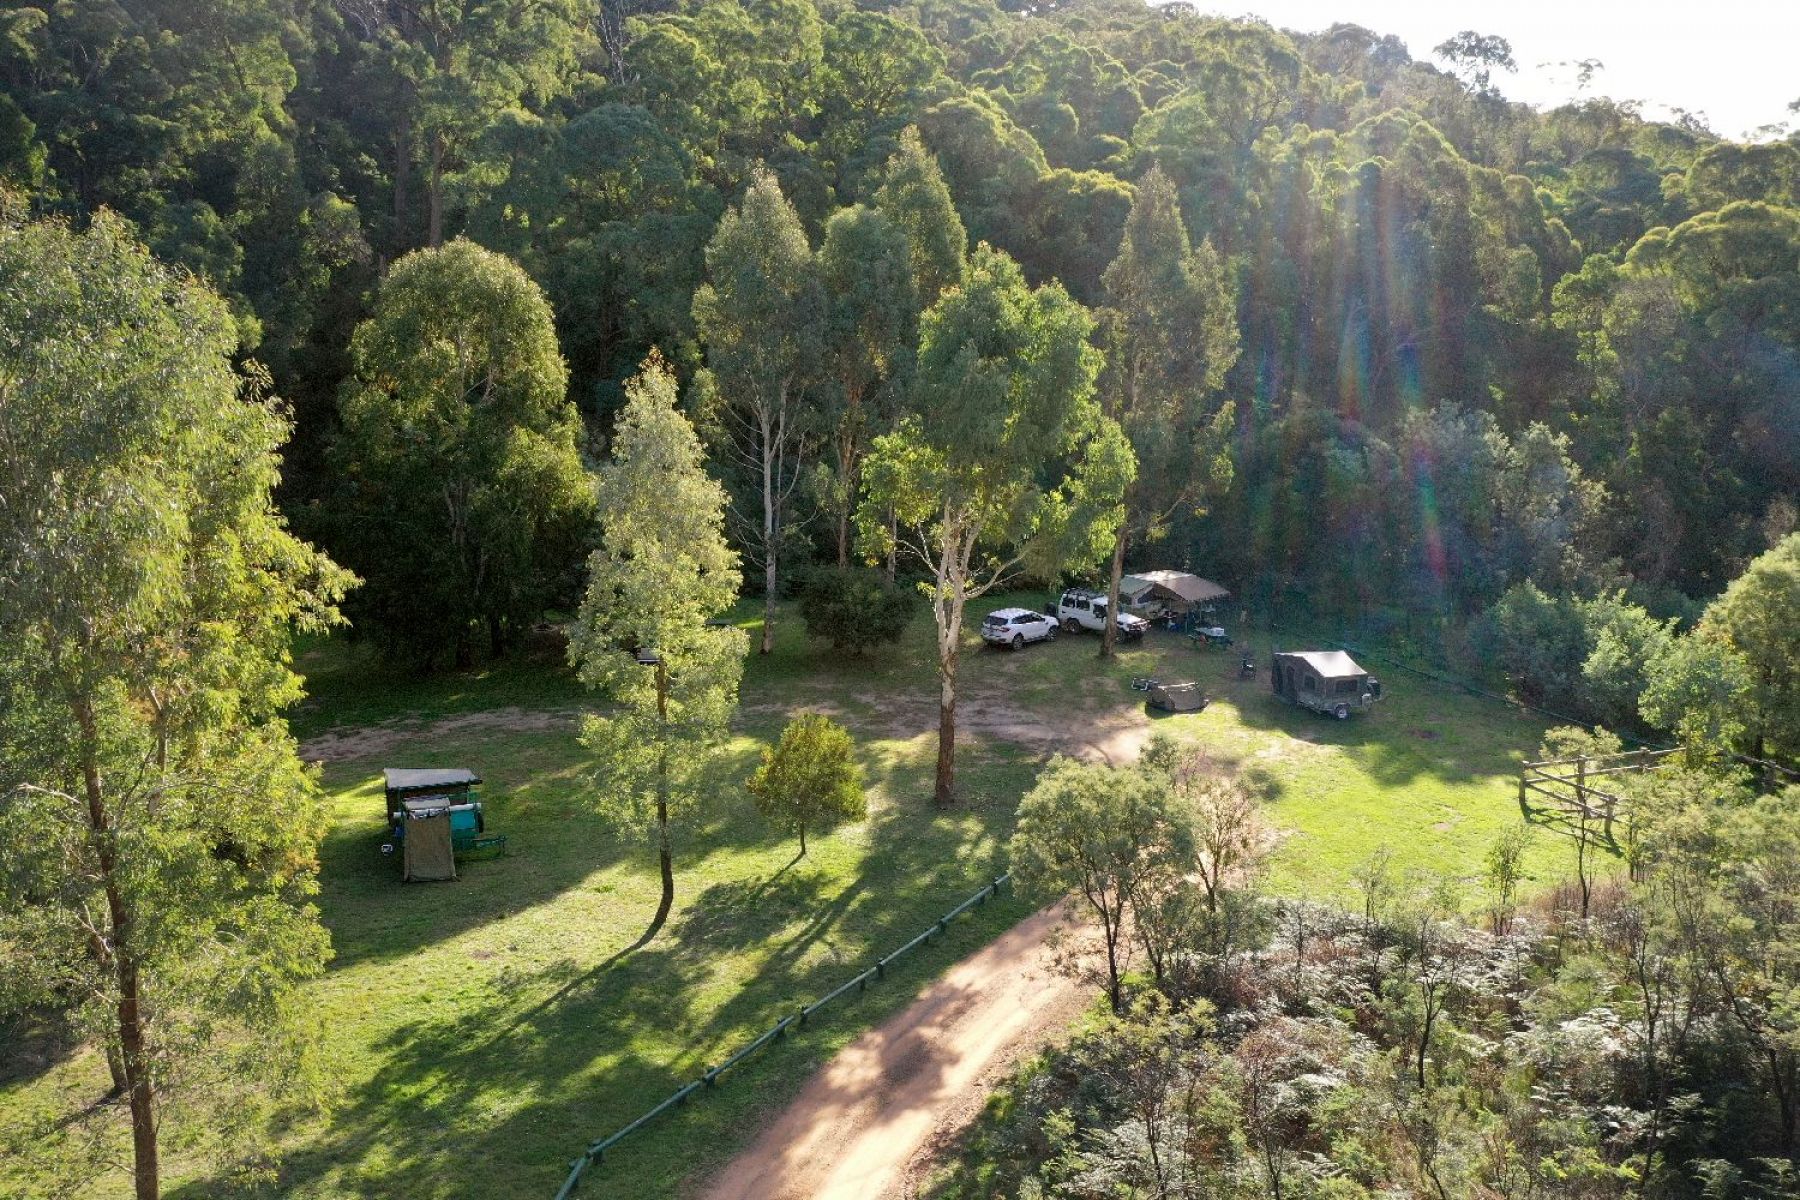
761	315
914	196
1700	689
1475	57
646	633
1170	332
878	69
443	75
1759	617
872	319
161	832
462	498
1101	833
1005	462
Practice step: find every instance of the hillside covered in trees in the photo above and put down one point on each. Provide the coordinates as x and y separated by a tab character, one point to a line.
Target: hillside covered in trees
1474	343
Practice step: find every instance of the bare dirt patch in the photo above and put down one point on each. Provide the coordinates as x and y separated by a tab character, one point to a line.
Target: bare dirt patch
344	745
1095	724
869	1124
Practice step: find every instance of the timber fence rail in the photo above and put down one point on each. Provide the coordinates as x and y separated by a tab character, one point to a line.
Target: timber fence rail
1575	799
596	1150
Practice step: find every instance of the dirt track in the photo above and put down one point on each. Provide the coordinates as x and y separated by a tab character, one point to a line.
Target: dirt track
865	1126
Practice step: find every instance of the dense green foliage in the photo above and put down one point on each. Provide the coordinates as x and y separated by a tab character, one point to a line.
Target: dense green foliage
1169	331
1595	286
1758	619
1726	685
458	494
1644	1046
160	831
856	608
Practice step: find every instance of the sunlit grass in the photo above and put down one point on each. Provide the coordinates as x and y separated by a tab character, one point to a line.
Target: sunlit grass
481	1032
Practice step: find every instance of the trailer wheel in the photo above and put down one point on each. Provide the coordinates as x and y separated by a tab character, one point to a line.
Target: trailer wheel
1341	712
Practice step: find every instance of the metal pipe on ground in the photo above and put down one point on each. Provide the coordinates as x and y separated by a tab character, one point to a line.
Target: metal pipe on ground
596	1151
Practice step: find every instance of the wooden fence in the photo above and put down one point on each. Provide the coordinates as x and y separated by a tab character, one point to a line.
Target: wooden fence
1573	796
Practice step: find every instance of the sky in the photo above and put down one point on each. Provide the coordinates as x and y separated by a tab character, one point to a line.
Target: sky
1733	60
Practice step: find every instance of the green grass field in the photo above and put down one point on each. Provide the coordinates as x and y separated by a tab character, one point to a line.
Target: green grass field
481	1032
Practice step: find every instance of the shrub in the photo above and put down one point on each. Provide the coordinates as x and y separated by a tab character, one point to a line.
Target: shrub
810	778
1623	641
1539	643
855	608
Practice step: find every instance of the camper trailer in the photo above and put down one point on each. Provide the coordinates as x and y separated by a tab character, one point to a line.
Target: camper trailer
1326	681
433	815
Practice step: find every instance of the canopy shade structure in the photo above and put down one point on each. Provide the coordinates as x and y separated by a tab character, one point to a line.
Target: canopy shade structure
428	779
450	784
1176	587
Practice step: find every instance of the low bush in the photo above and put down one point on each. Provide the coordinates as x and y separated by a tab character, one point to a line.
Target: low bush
855	608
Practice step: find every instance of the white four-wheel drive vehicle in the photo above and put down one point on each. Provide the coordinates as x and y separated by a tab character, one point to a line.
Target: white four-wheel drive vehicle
1080	609
1016	626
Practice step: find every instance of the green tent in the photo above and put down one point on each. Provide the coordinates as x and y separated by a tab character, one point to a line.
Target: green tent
1178	697
427	849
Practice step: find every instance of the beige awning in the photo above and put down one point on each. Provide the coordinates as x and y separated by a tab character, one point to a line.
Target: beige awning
1189	589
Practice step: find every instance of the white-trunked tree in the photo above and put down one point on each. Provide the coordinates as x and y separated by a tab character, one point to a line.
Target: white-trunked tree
1005	465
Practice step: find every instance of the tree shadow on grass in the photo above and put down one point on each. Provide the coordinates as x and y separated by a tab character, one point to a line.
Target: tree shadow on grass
373	916
32	1044
1420	728
491	1095
476	1104
484	1078
539	791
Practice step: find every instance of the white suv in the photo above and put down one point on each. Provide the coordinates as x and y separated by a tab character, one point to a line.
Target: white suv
1081	609
1016	626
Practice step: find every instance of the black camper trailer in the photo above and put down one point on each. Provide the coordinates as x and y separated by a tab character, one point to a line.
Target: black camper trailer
1326	681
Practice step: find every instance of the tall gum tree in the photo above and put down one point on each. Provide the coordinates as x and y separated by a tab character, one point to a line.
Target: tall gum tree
161	832
462	498
451	70
761	316
1170	332
914	196
871	328
645	637
1005	463
915	199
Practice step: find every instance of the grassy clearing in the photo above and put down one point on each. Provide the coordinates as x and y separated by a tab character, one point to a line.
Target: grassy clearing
482	1031
1431	774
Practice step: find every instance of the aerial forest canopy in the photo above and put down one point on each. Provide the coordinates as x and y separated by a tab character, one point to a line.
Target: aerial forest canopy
1475	344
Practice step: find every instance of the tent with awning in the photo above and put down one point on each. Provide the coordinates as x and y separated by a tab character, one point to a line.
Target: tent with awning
1168	591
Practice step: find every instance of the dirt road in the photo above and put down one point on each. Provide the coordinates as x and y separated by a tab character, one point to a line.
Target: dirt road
865	1127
